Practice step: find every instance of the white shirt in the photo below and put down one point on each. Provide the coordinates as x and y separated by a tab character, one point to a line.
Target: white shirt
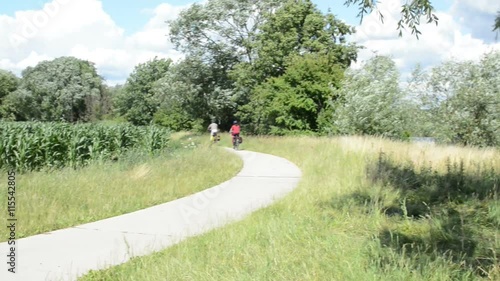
214	128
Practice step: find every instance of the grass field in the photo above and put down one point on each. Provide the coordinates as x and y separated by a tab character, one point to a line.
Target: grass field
366	209
62	198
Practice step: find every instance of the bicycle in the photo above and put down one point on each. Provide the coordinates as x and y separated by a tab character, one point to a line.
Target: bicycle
237	140
215	138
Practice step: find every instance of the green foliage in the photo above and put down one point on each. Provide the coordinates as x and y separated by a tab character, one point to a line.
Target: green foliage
64	89
462	101
8	84
293	101
137	101
301	55
174	118
297	28
217	36
233	47
105	106
371	102
457	102
193	90
220	28
31	146
198	126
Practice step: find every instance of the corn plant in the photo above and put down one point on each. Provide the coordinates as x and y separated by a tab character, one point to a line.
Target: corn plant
28	146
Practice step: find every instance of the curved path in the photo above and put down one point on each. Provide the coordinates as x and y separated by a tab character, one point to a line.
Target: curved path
69	253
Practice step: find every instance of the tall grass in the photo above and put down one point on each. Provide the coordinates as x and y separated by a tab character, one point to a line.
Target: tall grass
68	197
338	224
26	146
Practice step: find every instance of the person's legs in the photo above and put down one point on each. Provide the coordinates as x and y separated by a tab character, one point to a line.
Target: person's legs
213	135
235	140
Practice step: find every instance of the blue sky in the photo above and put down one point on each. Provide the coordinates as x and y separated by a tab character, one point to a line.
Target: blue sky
117	35
132	15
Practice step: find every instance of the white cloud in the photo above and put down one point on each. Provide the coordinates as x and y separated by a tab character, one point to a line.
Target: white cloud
484	6
445	41
81	28
154	34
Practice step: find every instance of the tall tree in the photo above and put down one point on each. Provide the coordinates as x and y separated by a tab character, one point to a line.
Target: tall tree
300	54
59	90
8	84
298	27
371	102
464	99
220	35
296	100
137	102
203	92
220	28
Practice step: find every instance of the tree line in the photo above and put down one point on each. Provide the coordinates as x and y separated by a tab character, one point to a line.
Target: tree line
280	67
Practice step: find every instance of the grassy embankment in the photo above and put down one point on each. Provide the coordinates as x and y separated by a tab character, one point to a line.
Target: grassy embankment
366	209
55	199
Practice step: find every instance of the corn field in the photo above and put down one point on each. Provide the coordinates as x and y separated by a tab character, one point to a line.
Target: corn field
28	146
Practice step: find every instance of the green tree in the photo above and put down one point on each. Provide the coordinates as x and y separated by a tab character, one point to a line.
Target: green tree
63	89
464	101
220	28
421	116
217	36
101	105
176	98
193	91
294	101
137	102
8	84
371	102
301	52
298	28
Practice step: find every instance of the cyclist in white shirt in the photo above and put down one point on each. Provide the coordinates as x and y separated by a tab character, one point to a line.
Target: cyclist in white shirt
214	129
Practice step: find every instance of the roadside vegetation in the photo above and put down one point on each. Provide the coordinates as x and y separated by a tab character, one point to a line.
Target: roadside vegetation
29	146
55	199
366	209
279	68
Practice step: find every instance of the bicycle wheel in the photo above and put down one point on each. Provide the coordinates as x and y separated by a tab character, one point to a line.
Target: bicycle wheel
236	143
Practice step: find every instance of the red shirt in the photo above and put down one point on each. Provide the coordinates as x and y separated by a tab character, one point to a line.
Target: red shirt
235	129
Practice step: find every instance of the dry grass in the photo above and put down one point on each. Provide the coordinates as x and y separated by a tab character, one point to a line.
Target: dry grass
421	154
333	226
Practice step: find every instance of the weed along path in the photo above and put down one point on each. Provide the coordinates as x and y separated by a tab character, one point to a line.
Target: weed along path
69	253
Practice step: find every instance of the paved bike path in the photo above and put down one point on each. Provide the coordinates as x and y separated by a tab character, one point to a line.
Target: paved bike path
69	253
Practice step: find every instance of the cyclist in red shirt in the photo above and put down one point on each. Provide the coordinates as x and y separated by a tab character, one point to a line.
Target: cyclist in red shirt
235	132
